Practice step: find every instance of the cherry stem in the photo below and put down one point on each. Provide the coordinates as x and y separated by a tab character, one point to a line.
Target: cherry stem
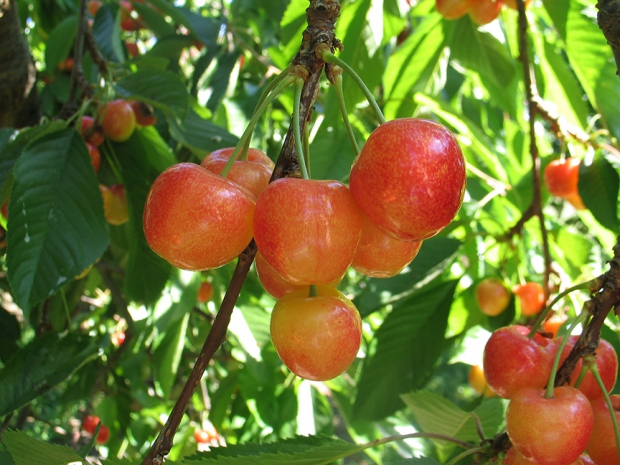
245	138
556	361
590	362
543	315
472	451
299	146
313	292
329	57
400	437
343	107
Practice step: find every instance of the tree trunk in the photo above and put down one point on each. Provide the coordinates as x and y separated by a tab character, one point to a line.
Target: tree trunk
19	99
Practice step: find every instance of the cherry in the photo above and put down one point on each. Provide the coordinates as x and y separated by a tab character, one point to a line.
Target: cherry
104	435
452	9
205	292
602	446
316	336
90	423
145	114
478	382
91	133
118	120
513	3
381	256
513	457
197	220
553	324
492	296
513	361
253	173
117	338
114	204
132	49
549	431
93	6
409	178
484	11
531	297
273	283
307	230
562	179
95	156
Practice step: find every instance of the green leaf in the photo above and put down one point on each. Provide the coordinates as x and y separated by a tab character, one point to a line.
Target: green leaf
56	227
167	357
311	450
142	158
221	79
435	414
10	333
29	451
404	351
432	259
160	88
60	42
153	19
42	364
200	135
205	28
598	188
106	31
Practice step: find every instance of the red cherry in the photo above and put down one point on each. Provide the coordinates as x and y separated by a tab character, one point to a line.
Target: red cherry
93	6
531	297
197	220
484	11
253	174
104	435
381	256
145	114
551	431
205	292
307	230
115	204
562	179
206	436
513	3
273	283
317	337
90	423
119	120
452	9
513	361
554	323
492	296
602	446
117	338
95	156
132	49
513	457
91	133
409	178
478	382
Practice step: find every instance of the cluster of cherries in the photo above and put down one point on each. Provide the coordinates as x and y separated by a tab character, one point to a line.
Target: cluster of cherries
406	184
480	11
557	429
117	121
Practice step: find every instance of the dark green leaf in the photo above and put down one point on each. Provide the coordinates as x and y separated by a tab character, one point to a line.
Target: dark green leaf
160	88
143	157
60	42
107	33
167	357
598	188
153	19
433	257
56	227
29	451
220	80
10	333
41	365
404	351
200	135
206	29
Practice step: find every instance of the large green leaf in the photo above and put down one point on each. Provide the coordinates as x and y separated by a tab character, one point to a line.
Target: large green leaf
29	451
56	227
312	450
167	357
404	351
153	19
142	158
41	365
160	88
598	188
106	31
433	258
435	414
60	42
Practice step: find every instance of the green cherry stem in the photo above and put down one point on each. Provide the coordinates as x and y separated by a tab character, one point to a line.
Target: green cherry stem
329	57
343	108
543	315
313	292
245	138
299	146
462	455
590	362
556	362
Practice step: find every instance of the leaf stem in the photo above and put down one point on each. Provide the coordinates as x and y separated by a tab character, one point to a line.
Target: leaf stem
329	57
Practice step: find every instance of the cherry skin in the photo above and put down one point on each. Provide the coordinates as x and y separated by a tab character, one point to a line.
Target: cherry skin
478	382
307	230
484	11
273	283
553	323
381	256
197	220
91	133
90	423
93	6
513	3
203	436
452	9
205	292
409	178
317	337
118	120
531	298
492	296
114	204
104	435
145	114
117	338
95	156
132	49
562	179
513	457
552	431
513	361
253	174
602	446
